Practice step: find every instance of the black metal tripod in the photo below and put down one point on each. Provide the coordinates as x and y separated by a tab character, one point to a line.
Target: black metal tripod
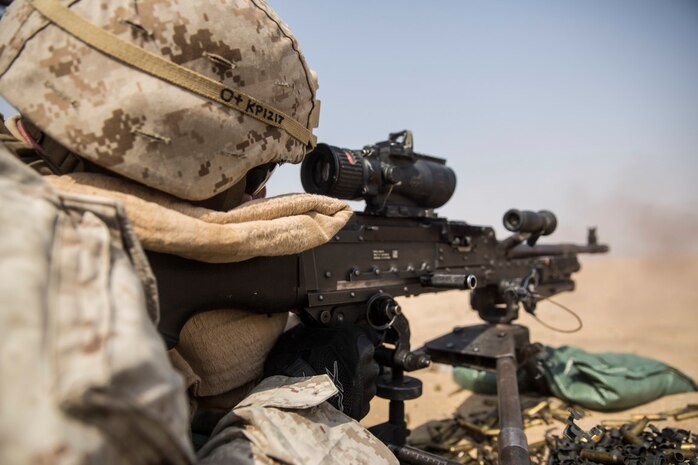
497	345
488	346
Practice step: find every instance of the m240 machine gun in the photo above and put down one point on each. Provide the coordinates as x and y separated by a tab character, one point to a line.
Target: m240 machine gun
397	247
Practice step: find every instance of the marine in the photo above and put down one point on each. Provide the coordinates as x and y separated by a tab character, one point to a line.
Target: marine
121	151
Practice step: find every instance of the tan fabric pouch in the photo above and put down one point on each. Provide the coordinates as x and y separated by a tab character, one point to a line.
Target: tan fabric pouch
281	225
220	352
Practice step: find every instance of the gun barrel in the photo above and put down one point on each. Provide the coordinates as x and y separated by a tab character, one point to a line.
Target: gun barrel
524	251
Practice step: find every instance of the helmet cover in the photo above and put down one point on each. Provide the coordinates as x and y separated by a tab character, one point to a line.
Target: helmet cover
142	126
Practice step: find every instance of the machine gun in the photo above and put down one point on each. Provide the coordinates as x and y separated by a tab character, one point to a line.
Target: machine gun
397	247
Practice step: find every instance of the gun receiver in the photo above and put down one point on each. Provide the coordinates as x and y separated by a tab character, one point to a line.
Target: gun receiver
371	256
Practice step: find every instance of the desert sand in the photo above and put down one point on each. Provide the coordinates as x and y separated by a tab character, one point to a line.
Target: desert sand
645	306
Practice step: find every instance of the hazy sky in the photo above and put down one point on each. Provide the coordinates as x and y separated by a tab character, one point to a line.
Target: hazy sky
588	108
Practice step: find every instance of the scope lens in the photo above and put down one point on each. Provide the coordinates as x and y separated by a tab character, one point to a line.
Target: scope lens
319	171
333	171
512	220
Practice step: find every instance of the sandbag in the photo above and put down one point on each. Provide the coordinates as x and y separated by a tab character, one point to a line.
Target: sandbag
282	225
598	381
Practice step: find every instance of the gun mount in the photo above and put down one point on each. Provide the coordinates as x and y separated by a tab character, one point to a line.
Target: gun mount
398	247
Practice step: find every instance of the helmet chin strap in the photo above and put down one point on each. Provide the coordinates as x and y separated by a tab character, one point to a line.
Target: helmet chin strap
59	159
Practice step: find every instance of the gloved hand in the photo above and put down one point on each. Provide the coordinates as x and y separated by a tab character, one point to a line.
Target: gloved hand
345	353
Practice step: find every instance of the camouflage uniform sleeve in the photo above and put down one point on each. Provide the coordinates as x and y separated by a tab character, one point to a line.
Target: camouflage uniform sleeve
84	377
287	421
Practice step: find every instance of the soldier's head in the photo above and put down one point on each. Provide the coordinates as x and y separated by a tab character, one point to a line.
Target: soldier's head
185	97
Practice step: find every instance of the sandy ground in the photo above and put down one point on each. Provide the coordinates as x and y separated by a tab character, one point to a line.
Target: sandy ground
641	306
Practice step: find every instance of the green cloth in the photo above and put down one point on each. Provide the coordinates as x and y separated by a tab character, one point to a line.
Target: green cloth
599	381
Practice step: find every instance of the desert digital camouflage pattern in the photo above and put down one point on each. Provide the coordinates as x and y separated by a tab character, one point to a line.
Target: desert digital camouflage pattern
84	377
143	127
287	421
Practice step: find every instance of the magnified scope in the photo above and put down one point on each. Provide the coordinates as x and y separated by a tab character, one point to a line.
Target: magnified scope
389	176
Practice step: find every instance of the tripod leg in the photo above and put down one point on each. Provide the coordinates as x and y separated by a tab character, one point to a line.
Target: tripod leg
513	447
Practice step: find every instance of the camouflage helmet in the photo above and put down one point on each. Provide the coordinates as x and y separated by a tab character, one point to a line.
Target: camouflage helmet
185	97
